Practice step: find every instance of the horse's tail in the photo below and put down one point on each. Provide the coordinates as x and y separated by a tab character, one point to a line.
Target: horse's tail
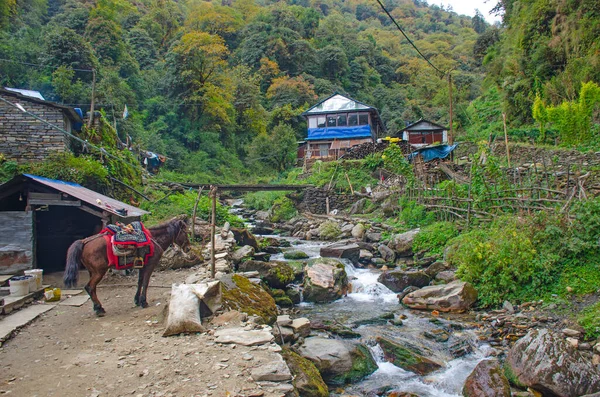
73	261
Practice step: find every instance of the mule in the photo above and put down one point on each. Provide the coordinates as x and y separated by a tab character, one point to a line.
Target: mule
91	253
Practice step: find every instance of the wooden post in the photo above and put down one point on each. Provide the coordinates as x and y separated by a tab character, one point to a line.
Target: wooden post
194	213
451	137
506	139
91	119
213	221
349	183
327	205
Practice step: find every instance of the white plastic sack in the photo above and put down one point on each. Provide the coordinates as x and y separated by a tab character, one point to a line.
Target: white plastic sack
184	311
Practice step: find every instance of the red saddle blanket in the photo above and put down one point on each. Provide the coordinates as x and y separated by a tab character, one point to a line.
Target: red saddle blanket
141	246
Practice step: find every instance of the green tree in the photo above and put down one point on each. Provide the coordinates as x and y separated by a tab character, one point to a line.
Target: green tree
275	150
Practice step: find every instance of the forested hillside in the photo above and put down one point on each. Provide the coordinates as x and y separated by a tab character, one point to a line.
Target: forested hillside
544	50
219	86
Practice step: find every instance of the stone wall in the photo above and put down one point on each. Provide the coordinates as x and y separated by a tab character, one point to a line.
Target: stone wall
25	139
16	242
522	154
315	201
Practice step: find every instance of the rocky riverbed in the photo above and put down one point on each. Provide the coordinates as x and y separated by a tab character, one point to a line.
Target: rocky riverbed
302	315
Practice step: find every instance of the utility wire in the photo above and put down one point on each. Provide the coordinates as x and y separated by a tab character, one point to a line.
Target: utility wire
42	66
409	40
85	142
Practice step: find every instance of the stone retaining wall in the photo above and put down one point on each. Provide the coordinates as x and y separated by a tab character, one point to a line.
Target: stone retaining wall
315	200
25	139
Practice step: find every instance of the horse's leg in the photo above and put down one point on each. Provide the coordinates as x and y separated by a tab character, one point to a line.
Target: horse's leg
96	275
141	272
147	272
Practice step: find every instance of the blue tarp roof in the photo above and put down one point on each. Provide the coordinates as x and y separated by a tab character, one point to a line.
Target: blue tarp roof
433	152
359	131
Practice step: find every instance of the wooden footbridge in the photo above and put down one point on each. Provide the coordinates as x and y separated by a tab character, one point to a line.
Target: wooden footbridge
248	188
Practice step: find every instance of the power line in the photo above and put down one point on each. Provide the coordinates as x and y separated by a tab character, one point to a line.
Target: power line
43	66
409	40
84	142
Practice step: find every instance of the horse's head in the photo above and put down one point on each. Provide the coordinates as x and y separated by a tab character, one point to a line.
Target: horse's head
181	237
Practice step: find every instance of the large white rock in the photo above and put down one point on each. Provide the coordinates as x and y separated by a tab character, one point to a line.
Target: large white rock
242	337
457	296
274	371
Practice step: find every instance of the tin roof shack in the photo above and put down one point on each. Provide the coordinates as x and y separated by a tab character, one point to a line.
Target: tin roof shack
40	218
338	123
24	138
424	132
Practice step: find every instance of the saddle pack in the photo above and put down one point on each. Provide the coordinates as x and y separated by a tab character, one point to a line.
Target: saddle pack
128	245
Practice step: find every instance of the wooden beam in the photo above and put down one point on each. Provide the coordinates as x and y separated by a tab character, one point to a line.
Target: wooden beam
92	211
63	203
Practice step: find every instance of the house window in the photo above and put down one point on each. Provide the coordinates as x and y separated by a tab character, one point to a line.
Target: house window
312	122
321	122
363	119
331	121
324	150
352	119
341	120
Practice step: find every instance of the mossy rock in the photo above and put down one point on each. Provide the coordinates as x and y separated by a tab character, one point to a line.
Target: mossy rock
279	275
240	294
295	255
284	301
294	295
335	328
380	320
363	365
307	379
298	267
329	230
407	358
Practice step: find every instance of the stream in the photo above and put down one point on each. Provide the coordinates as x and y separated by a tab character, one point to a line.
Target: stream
370	299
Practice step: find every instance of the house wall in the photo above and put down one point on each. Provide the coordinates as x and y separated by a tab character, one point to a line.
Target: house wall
25	139
16	241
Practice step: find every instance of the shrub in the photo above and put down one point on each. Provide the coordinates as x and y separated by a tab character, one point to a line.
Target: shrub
433	238
501	262
414	215
283	210
262	201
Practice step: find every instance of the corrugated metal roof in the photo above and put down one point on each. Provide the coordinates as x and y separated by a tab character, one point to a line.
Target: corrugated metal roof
29	93
91	197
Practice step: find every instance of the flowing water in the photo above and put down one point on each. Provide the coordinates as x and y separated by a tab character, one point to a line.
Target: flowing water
370	299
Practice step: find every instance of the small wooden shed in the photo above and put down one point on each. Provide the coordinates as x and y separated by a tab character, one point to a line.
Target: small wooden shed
424	132
40	218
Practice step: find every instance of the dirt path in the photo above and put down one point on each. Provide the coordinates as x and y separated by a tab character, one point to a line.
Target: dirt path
70	352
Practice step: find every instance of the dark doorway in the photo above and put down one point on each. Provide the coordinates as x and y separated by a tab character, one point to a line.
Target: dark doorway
56	229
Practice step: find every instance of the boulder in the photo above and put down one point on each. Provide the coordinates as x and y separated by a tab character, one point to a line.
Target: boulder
263	228
373	237
358	231
243	237
175	258
301	326
386	253
365	257
407	357
406	291
259	266
402	243
262	215
279	275
457	296
245	252
238	293
446	276
436	267
295	254
487	380
273	371
342	251
307	379
338	362
262	256
546	363
325	280
284	335
398	280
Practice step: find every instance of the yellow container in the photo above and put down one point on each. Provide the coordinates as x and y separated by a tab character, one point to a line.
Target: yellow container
52	294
